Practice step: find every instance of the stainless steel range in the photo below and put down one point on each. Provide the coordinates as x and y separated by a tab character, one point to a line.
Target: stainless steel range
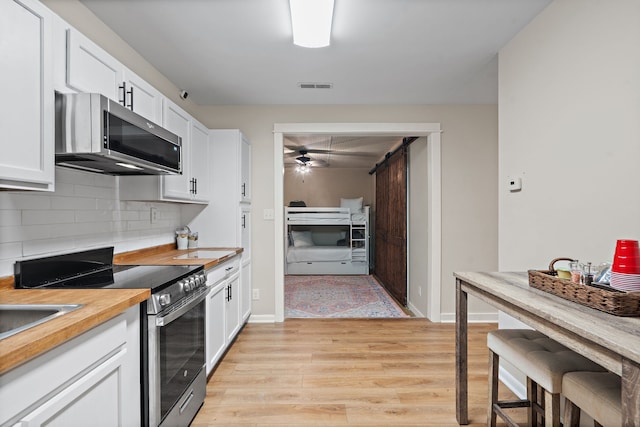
172	348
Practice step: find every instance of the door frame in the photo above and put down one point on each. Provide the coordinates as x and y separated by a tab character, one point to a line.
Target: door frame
431	131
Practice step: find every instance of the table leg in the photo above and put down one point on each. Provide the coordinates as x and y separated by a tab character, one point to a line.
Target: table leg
630	393
462	407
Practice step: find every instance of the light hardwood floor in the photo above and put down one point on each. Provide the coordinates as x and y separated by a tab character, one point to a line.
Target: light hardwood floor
354	372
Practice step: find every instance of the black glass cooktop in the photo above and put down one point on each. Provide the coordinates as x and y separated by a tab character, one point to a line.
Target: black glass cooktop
94	269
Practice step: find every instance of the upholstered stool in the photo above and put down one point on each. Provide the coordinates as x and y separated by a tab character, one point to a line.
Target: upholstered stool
596	393
543	361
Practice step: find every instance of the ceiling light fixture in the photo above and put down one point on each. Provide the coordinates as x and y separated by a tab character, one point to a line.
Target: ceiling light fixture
311	22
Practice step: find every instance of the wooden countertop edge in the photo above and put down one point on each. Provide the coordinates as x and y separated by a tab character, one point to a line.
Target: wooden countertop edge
166	255
99	305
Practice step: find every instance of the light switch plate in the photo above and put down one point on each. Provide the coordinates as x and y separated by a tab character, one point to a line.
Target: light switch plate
268	214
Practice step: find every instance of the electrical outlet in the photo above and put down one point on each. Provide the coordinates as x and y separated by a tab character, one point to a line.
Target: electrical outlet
154	215
419	291
268	214
256	294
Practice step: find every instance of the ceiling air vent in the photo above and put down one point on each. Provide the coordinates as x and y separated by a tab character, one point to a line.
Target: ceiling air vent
315	85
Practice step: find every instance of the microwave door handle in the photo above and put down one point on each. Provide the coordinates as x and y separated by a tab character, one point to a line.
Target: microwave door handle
165	320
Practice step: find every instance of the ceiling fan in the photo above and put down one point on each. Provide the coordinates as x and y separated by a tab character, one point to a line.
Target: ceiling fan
303	159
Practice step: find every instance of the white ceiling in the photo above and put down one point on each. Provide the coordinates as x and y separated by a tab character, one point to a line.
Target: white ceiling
239	52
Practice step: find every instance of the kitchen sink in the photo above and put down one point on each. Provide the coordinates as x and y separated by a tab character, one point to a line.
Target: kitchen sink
16	318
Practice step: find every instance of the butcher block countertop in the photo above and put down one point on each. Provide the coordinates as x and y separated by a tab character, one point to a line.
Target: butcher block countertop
98	305
169	255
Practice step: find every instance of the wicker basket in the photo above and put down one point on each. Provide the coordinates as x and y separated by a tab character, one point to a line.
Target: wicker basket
603	298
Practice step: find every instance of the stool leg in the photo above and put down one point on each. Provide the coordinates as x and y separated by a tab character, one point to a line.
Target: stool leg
551	409
534	412
494	361
571	414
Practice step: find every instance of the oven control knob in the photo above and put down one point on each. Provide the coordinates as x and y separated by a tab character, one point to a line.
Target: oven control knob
164	299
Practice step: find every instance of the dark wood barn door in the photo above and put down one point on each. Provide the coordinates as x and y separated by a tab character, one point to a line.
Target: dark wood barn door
391	225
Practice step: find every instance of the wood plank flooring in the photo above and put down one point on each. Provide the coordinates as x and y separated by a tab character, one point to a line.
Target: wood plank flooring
346	372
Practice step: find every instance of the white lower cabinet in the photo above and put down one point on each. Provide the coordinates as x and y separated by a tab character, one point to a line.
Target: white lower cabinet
215	333
94	379
224	317
246	291
232	309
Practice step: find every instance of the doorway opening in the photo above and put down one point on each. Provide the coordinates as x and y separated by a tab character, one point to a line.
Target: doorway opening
431	131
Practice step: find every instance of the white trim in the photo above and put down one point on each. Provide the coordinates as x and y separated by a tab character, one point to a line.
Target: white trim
512	383
472	318
262	318
434	227
430	130
414	309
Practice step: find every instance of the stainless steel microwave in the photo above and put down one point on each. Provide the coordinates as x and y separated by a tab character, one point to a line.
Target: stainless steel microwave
97	134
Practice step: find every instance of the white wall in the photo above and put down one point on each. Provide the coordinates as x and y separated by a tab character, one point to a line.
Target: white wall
569	109
418	232
84	212
325	186
569	126
469	182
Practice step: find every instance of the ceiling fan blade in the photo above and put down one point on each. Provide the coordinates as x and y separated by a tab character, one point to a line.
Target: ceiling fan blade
343	153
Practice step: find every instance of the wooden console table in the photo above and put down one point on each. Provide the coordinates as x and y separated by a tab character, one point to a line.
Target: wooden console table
611	341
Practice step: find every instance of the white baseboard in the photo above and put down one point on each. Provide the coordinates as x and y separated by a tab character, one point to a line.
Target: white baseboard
512	383
262	318
414	310
471	318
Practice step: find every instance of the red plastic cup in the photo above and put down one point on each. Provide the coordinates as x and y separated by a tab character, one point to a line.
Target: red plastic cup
627	257
627	248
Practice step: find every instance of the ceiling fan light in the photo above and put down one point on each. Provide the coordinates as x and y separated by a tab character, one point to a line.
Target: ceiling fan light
311	22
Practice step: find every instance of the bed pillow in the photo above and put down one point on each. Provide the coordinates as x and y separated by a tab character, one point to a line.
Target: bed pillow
355	205
301	238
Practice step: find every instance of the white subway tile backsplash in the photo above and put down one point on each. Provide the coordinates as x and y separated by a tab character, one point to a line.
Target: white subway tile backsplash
10	218
93	191
93	216
73	203
82	213
47	246
26	201
30	217
10	250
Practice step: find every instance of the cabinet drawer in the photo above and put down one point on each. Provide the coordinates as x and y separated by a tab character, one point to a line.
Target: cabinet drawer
59	368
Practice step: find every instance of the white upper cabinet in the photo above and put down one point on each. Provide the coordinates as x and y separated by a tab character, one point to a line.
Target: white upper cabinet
193	186
143	98
245	170
200	161
91	69
27	110
178	121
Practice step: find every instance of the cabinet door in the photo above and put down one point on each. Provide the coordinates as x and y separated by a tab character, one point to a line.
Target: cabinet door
246	291
27	109
216	337
245	232
245	169
232	308
95	399
200	161
178	121
91	69
143	98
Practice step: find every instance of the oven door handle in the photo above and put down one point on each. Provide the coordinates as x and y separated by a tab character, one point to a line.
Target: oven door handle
170	317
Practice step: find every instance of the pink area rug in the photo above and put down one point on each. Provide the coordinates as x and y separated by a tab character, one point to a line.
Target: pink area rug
337	296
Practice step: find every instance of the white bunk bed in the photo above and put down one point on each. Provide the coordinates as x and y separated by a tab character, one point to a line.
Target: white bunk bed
327	240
